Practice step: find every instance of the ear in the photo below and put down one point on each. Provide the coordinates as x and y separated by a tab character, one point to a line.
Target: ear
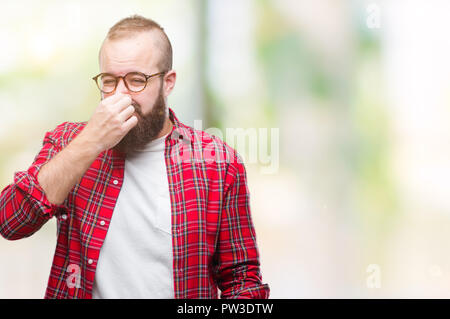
169	82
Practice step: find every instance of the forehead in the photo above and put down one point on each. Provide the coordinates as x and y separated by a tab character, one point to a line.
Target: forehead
132	53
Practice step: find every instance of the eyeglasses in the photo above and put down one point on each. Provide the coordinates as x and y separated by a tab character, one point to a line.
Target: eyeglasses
134	81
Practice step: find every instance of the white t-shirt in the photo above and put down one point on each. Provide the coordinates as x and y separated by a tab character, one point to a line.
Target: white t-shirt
136	257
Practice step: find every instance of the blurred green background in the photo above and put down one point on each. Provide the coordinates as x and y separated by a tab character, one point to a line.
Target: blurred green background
358	91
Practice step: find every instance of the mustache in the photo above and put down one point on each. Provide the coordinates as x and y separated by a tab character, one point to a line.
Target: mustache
137	108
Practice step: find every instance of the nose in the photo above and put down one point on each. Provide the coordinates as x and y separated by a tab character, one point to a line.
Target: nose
121	87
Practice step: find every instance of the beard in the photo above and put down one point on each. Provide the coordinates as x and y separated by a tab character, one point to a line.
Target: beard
147	128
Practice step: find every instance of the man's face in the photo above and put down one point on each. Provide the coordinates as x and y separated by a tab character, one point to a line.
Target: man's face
137	53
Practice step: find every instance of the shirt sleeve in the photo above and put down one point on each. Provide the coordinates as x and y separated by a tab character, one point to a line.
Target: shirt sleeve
24	207
238	267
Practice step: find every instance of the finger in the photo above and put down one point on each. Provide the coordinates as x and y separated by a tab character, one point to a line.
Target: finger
114	98
130	123
123	103
126	113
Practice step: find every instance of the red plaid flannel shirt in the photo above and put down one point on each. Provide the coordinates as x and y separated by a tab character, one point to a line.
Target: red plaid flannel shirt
214	243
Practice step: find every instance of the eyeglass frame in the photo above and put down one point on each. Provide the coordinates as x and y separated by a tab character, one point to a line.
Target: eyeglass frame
147	77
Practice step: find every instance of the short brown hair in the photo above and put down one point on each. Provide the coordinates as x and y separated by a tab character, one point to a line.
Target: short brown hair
135	24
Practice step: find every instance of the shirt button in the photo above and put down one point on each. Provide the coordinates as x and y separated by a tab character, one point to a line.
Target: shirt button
90	261
115	182
64	216
102	223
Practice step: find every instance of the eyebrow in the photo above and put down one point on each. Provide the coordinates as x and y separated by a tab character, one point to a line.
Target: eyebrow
124	73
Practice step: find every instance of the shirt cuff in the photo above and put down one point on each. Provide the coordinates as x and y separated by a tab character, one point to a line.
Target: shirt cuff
27	182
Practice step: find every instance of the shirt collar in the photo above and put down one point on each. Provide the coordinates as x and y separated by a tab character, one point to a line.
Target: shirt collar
180	132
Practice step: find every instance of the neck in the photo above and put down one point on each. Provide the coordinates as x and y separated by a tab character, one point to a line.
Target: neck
167	128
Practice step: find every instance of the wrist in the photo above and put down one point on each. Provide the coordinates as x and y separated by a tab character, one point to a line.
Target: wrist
87	144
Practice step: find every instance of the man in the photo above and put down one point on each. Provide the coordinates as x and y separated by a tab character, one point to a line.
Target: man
146	207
